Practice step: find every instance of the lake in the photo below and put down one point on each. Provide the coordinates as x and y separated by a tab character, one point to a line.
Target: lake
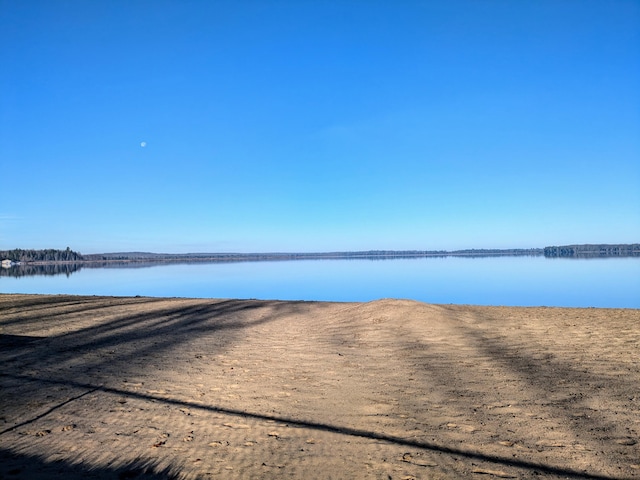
509	280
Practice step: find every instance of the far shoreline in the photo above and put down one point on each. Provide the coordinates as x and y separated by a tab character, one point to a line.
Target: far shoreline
18	257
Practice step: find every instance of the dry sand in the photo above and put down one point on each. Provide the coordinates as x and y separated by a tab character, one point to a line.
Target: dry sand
96	387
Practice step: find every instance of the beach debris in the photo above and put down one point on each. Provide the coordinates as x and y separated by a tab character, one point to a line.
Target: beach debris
550	444
626	441
408	458
236	425
495	473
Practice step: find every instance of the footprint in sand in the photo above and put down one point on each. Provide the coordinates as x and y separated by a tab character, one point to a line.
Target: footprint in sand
464	428
218	444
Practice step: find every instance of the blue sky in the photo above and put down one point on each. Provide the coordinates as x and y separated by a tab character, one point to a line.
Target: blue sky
318	125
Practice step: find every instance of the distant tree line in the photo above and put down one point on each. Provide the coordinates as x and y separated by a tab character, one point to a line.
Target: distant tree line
367	254
593	251
26	256
48	255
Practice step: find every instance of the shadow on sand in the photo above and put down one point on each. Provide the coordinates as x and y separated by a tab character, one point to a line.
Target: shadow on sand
106	350
536	468
26	466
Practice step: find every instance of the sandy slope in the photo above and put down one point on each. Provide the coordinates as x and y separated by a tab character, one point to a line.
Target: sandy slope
94	387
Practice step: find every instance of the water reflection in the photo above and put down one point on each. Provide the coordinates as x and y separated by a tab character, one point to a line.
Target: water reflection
26	269
522	280
23	270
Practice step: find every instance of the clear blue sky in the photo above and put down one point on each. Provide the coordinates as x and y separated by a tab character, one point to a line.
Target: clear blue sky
318	125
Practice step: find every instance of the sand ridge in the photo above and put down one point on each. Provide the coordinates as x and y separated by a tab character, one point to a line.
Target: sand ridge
108	387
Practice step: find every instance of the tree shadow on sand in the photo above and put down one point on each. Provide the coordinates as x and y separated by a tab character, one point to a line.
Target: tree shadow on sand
125	338
537	468
69	365
27	466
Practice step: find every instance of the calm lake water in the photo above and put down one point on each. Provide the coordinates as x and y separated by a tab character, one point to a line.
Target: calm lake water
526	281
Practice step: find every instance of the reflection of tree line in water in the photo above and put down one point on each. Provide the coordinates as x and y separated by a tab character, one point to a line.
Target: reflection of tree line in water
27	270
17	271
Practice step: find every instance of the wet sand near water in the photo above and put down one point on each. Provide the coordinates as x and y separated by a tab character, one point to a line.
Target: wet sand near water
106	387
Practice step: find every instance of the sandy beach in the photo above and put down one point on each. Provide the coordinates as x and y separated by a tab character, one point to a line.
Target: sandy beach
103	387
